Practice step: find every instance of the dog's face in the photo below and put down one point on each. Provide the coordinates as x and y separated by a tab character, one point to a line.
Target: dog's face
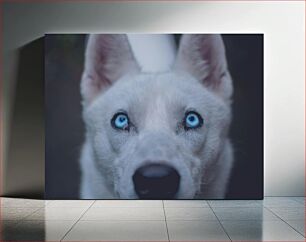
155	135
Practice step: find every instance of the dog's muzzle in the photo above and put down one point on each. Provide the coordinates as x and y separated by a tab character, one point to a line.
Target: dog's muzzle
156	181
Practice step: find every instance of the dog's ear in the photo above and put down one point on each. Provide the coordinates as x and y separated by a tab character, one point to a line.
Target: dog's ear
203	56
107	58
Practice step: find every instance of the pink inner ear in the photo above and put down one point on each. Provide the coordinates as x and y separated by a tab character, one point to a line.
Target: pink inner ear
203	56
96	82
108	57
212	52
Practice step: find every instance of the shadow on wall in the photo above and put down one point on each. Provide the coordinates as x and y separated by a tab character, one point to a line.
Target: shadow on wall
24	174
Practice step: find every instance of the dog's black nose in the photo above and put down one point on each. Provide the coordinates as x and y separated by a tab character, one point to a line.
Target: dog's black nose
156	182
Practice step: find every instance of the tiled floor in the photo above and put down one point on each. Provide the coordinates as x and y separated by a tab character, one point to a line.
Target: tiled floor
274	219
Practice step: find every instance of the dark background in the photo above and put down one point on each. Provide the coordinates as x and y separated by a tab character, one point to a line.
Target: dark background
64	131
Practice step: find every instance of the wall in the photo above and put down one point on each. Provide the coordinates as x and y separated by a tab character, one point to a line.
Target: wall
282	23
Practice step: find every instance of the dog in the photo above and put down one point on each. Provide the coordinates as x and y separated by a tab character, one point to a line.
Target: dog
156	135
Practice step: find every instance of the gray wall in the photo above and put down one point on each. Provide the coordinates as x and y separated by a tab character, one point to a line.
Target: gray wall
281	22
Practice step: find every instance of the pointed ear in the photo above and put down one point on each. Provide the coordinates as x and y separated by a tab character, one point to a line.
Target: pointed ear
107	58
203	56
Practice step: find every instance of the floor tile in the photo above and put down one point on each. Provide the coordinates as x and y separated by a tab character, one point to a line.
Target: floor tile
185	204
40	230
21	203
55	230
281	202
8	223
261	231
118	231
49	201
235	203
189	214
70	203
300	200
127	203
244	214
289	213
124	214
16	213
196	231
57	214
7	227
299	225
140	220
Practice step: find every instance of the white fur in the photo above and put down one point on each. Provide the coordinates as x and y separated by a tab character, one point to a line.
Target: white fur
156	104
153	52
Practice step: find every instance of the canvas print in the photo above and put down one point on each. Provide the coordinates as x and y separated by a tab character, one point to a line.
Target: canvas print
154	116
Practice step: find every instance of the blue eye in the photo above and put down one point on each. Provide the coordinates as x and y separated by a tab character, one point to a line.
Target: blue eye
120	121
192	120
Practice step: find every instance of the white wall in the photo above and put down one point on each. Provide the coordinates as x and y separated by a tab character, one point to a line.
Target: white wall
282	23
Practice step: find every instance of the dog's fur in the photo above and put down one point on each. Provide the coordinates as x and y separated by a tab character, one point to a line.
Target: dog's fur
156	104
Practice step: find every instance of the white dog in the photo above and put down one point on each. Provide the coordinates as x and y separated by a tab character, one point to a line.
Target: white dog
156	135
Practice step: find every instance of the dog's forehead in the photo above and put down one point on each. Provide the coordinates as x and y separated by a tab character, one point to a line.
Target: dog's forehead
164	86
146	92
